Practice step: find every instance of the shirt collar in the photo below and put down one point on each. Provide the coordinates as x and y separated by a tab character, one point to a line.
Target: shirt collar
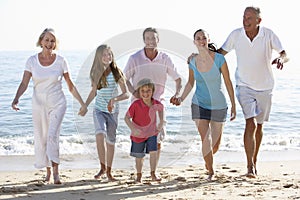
158	56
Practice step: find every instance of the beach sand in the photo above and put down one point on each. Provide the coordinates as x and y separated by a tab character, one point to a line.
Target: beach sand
276	180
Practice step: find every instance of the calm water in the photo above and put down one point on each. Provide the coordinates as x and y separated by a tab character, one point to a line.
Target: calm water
77	135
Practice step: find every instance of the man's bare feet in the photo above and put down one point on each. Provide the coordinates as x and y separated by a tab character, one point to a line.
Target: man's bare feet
154	177
100	173
209	178
251	172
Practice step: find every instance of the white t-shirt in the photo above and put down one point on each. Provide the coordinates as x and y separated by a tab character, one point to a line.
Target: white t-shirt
253	58
47	79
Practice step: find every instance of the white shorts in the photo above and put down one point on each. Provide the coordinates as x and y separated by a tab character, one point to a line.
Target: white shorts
254	103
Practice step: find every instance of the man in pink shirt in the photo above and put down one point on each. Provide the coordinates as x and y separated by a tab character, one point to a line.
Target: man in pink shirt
151	63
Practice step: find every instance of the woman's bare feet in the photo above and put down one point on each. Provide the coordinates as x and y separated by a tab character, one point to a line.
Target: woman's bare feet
48	175
56	179
154	177
138	177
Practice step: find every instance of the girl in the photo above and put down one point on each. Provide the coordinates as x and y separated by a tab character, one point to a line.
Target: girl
105	77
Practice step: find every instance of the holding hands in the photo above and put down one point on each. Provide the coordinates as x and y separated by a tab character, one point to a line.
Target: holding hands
175	100
83	110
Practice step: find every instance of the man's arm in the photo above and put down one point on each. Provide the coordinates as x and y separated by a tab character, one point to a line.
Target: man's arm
222	51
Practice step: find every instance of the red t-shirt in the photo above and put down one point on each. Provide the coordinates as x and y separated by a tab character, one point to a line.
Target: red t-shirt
144	118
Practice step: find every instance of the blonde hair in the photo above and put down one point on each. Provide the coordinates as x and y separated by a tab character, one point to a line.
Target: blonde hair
97	71
145	82
47	30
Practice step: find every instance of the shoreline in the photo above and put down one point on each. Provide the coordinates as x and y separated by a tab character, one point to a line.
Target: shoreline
276	180
124	161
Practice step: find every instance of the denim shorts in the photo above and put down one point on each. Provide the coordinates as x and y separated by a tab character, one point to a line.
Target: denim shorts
202	113
106	123
139	150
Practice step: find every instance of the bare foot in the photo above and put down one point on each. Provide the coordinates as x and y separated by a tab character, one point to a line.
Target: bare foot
209	178
138	177
154	177
47	178
99	174
48	175
56	179
110	177
251	172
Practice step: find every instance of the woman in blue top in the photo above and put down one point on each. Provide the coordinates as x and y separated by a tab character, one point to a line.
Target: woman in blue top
209	107
105	77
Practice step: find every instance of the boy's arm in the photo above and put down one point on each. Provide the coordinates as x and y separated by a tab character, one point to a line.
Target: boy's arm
161	120
129	123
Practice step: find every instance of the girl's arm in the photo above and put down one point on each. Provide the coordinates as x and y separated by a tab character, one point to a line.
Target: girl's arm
124	95
22	88
91	96
229	87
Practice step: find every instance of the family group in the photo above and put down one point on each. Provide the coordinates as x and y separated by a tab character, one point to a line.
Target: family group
144	80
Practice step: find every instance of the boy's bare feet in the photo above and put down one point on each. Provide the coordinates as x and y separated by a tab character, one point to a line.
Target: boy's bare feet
154	177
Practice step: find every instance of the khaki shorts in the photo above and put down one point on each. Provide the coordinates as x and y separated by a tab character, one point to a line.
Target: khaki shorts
254	103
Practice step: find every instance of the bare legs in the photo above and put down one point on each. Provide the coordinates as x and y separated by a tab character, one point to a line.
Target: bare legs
210	133
153	163
106	154
252	140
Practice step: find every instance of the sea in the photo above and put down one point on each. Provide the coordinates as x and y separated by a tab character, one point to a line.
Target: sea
281	139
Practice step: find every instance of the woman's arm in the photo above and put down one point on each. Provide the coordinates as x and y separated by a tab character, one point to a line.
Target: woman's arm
187	89
74	92
21	89
229	87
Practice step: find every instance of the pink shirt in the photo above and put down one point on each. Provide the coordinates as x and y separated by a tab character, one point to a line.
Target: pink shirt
139	67
144	118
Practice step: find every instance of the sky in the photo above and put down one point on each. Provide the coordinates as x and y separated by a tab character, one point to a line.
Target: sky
84	24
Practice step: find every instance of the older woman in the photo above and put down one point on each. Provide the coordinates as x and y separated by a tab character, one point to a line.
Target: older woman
47	69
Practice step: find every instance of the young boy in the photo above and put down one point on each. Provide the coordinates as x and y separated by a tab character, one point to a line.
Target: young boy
141	119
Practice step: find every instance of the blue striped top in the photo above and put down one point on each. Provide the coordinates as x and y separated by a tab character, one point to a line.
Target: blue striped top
105	94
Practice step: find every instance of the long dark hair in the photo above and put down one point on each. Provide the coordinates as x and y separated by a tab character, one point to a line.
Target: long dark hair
211	46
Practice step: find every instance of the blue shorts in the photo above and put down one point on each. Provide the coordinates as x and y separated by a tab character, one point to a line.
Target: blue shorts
202	113
254	103
139	150
106	123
